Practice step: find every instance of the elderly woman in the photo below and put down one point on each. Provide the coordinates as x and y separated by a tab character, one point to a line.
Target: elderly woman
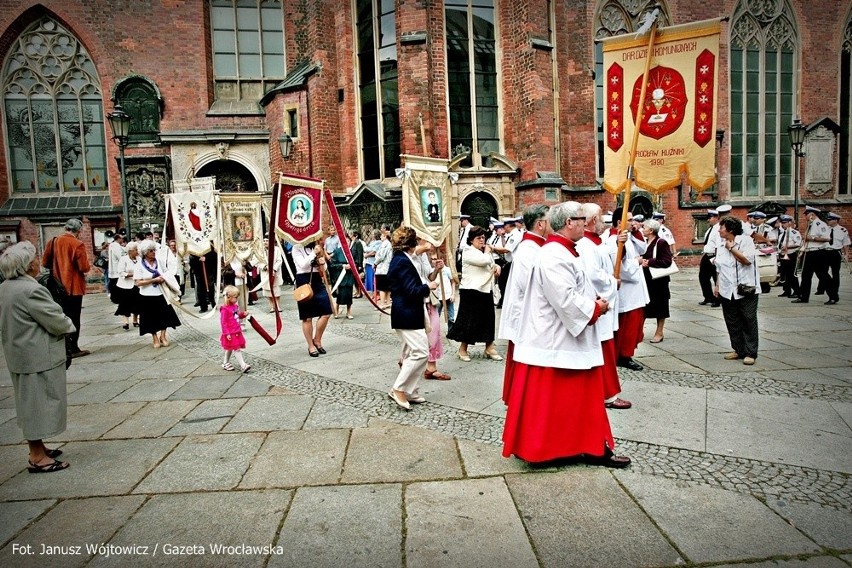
737	286
408	316
475	319
32	330
125	293
155	314
310	259
384	252
657	255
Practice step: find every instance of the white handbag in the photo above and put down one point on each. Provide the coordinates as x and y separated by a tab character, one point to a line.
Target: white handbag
662	272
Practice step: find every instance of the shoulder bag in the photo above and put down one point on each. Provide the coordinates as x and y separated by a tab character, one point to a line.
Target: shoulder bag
662	272
304	292
743	289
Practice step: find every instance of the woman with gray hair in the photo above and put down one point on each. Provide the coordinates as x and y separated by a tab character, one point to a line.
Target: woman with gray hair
657	255
155	314
32	331
125	291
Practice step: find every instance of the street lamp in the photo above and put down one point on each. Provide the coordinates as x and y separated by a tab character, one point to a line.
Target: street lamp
285	143
119	122
796	132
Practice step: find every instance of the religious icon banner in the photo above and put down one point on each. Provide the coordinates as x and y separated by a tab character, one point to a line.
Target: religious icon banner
678	129
242	227
195	220
426	197
298	217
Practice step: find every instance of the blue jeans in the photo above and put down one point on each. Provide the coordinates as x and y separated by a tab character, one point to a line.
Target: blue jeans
451	310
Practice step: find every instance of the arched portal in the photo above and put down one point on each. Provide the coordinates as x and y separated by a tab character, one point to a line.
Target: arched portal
230	175
480	206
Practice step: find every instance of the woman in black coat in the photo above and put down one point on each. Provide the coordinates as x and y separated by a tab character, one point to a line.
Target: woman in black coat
408	315
657	255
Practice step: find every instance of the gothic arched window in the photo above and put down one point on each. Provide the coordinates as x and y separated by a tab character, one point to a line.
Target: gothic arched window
846	110
614	18
141	101
54	113
763	79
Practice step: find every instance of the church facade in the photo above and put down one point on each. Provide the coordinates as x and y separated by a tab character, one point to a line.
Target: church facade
508	91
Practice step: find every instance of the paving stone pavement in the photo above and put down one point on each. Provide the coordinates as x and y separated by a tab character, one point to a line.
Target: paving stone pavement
302	461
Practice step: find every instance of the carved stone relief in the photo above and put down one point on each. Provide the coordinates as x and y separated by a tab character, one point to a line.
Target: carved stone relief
819	161
147	179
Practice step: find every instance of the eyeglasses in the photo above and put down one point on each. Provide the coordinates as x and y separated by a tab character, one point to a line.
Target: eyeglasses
479	237
577	218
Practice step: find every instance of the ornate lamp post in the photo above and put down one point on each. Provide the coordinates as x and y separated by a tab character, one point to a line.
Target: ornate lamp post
796	131
119	122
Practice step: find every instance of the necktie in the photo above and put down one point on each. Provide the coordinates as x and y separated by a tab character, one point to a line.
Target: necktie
707	235
831	237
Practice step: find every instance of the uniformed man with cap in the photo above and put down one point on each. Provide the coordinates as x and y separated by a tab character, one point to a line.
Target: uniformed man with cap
706	269
506	247
815	250
764	235
838	240
789	241
665	233
461	244
497	237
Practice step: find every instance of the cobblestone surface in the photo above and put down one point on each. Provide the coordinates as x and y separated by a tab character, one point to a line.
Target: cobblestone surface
765	480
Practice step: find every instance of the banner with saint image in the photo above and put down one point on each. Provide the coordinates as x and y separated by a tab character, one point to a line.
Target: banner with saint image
194	216
298	217
426	197
242	227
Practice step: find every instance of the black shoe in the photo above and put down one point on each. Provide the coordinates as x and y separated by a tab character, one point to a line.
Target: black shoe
819	293
799	301
831	302
716	305
202	311
629	363
704	303
784	295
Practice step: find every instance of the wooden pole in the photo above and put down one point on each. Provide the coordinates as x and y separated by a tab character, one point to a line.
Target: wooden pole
640	111
422	134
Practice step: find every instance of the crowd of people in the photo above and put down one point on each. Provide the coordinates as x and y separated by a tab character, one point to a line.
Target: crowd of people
568	288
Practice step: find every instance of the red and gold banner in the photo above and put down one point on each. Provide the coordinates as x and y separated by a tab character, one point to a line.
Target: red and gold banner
298	209
678	113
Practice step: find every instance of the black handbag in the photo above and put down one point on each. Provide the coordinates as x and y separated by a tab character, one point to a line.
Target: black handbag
102	263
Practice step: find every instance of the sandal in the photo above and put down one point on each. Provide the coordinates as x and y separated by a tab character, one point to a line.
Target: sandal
245	368
52	453
313	353
437	375
47	468
227	366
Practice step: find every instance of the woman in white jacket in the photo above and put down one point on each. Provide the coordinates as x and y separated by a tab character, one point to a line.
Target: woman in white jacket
475	319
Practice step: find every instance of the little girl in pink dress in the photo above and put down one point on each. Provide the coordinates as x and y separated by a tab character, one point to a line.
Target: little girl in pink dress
233	341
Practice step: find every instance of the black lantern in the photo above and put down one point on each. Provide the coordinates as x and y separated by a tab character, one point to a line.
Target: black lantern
119	122
796	132
286	145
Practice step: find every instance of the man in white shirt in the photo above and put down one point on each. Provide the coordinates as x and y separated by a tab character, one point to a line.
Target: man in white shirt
665	233
707	270
116	251
505	247
332	241
461	244
764	235
838	240
816	251
789	242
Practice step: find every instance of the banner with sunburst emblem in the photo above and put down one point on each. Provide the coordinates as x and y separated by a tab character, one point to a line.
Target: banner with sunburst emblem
677	131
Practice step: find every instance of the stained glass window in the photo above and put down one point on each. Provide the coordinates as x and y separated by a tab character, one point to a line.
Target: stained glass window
53	110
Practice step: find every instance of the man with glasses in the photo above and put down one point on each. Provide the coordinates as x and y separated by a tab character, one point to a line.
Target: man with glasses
555	409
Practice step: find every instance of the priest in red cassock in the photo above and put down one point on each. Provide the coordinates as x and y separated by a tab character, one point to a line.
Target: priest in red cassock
599	268
556	399
526	253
